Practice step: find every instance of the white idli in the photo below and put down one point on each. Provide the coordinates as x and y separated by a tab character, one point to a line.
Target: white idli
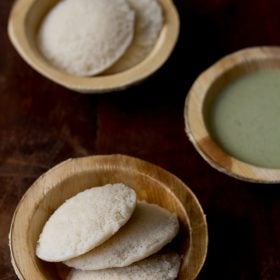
149	22
160	267
148	230
85	37
85	221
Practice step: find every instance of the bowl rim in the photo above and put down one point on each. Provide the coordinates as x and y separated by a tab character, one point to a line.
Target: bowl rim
195	126
96	84
197	223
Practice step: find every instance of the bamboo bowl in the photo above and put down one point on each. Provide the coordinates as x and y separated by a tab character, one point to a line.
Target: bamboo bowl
25	19
151	183
198	102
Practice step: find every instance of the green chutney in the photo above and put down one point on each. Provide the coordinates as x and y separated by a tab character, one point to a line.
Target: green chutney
244	118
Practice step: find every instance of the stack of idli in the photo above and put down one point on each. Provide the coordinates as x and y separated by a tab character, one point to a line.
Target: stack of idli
106	233
89	37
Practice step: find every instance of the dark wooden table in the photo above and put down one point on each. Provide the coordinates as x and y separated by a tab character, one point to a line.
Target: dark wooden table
42	124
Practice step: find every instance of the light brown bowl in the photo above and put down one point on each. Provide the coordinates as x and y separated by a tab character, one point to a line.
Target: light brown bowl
205	88
23	25
151	183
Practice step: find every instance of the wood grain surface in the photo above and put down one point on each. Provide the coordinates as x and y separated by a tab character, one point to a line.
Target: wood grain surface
42	124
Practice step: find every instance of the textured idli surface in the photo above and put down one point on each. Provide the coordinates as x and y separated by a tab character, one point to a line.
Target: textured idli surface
149	229
85	37
160	267
85	221
149	22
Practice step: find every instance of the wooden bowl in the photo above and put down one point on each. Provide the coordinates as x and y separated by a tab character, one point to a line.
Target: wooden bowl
23	25
151	183
205	89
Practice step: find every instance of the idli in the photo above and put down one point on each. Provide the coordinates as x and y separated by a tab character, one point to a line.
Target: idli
149	229
85	37
85	221
148	25
163	267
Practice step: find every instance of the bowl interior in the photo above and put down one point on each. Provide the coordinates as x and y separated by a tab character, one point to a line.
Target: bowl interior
149	191
24	23
33	19
51	190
